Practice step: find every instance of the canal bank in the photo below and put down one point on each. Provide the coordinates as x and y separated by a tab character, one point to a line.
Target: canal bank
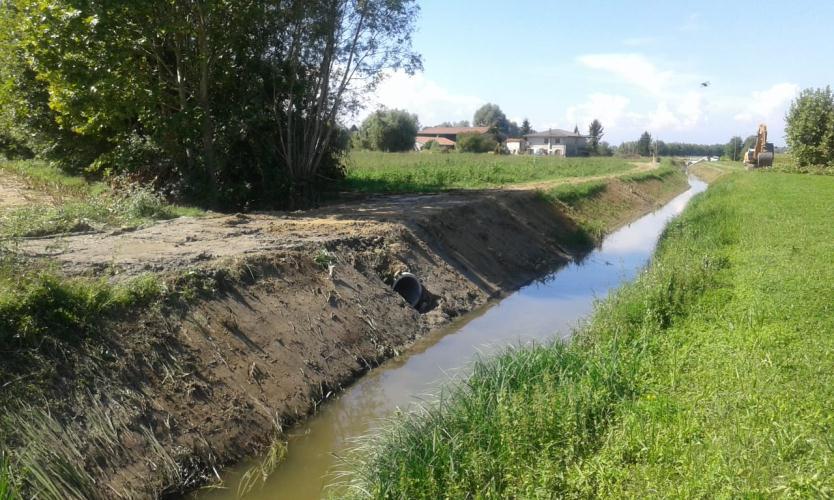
550	308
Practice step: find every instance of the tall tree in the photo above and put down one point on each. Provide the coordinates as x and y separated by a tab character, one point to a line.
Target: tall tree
490	115
734	150
595	133
644	144
525	127
576	129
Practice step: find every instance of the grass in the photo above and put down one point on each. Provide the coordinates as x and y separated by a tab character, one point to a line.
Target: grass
712	375
428	172
80	205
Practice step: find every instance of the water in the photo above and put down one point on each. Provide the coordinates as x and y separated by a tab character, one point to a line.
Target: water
551	308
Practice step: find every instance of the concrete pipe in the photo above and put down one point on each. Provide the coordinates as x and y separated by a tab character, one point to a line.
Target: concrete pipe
409	288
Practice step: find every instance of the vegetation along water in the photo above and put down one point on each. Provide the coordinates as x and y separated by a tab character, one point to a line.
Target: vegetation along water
710	375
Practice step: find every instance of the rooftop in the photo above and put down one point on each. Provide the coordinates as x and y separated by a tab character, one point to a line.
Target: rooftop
440	140
555	132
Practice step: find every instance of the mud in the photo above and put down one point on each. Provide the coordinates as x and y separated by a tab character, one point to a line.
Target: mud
188	390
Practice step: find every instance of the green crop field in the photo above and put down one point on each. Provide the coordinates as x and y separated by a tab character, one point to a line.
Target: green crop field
425	172
710	376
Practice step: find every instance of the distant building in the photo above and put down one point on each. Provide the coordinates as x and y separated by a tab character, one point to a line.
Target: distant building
447	133
557	142
516	146
444	143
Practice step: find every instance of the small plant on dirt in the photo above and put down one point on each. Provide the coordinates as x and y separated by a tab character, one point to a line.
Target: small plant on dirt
324	259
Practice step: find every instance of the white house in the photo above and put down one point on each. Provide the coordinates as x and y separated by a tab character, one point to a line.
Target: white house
516	146
556	142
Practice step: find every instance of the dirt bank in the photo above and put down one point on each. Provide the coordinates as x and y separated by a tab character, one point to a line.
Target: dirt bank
293	307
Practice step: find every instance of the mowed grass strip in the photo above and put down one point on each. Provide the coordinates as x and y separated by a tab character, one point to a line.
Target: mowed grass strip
710	376
428	172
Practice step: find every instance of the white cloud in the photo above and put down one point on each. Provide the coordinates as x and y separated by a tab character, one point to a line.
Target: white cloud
767	104
634	69
607	108
432	103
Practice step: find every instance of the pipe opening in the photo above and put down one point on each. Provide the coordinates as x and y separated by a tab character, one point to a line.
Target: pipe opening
409	288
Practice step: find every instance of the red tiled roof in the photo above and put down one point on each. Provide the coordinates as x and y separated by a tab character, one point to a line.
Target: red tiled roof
453	130
440	140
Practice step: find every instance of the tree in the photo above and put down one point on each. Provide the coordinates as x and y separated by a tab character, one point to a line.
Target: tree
644	144
576	129
388	130
233	102
809	127
476	143
734	150
525	128
595	132
490	115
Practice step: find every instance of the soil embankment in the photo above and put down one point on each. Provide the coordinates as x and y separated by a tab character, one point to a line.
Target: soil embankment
292	307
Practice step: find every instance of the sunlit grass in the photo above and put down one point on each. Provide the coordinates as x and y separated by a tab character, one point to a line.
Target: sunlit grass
425	172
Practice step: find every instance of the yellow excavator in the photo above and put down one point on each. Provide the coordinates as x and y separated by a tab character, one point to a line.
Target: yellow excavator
762	154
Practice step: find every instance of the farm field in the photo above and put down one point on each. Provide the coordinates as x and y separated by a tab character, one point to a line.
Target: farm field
711	375
370	171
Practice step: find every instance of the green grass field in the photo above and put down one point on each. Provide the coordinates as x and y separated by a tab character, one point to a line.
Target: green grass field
710	376
370	171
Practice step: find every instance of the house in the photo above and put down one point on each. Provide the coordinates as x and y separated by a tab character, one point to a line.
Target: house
516	146
557	142
442	142
447	133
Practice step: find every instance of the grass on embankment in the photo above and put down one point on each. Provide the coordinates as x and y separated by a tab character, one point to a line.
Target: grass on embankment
599	206
79	204
370	171
711	375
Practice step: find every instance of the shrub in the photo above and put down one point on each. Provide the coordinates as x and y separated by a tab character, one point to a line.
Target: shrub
809	128
476	143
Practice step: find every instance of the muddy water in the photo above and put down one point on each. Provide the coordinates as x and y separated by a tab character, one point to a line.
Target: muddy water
550	308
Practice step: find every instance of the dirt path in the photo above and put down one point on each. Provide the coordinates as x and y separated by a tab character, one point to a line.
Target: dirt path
15	193
186	242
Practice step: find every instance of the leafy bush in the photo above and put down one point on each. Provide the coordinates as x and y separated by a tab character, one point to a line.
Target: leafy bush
392	130
476	143
809	126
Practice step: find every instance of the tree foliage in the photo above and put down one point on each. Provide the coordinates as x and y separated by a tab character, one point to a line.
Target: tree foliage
525	128
490	115
476	143
595	133
392	130
644	144
734	150
235	102
809	128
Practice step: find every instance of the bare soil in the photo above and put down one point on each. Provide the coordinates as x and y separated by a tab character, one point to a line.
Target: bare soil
191	389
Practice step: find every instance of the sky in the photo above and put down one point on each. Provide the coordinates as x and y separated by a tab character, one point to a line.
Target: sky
634	65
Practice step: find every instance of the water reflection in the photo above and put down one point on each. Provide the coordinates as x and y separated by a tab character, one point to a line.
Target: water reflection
551	308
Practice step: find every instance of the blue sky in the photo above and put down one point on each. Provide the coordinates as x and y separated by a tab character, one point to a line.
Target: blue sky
635	65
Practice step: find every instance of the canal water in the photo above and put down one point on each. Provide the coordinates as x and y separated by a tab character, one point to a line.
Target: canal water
551	308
